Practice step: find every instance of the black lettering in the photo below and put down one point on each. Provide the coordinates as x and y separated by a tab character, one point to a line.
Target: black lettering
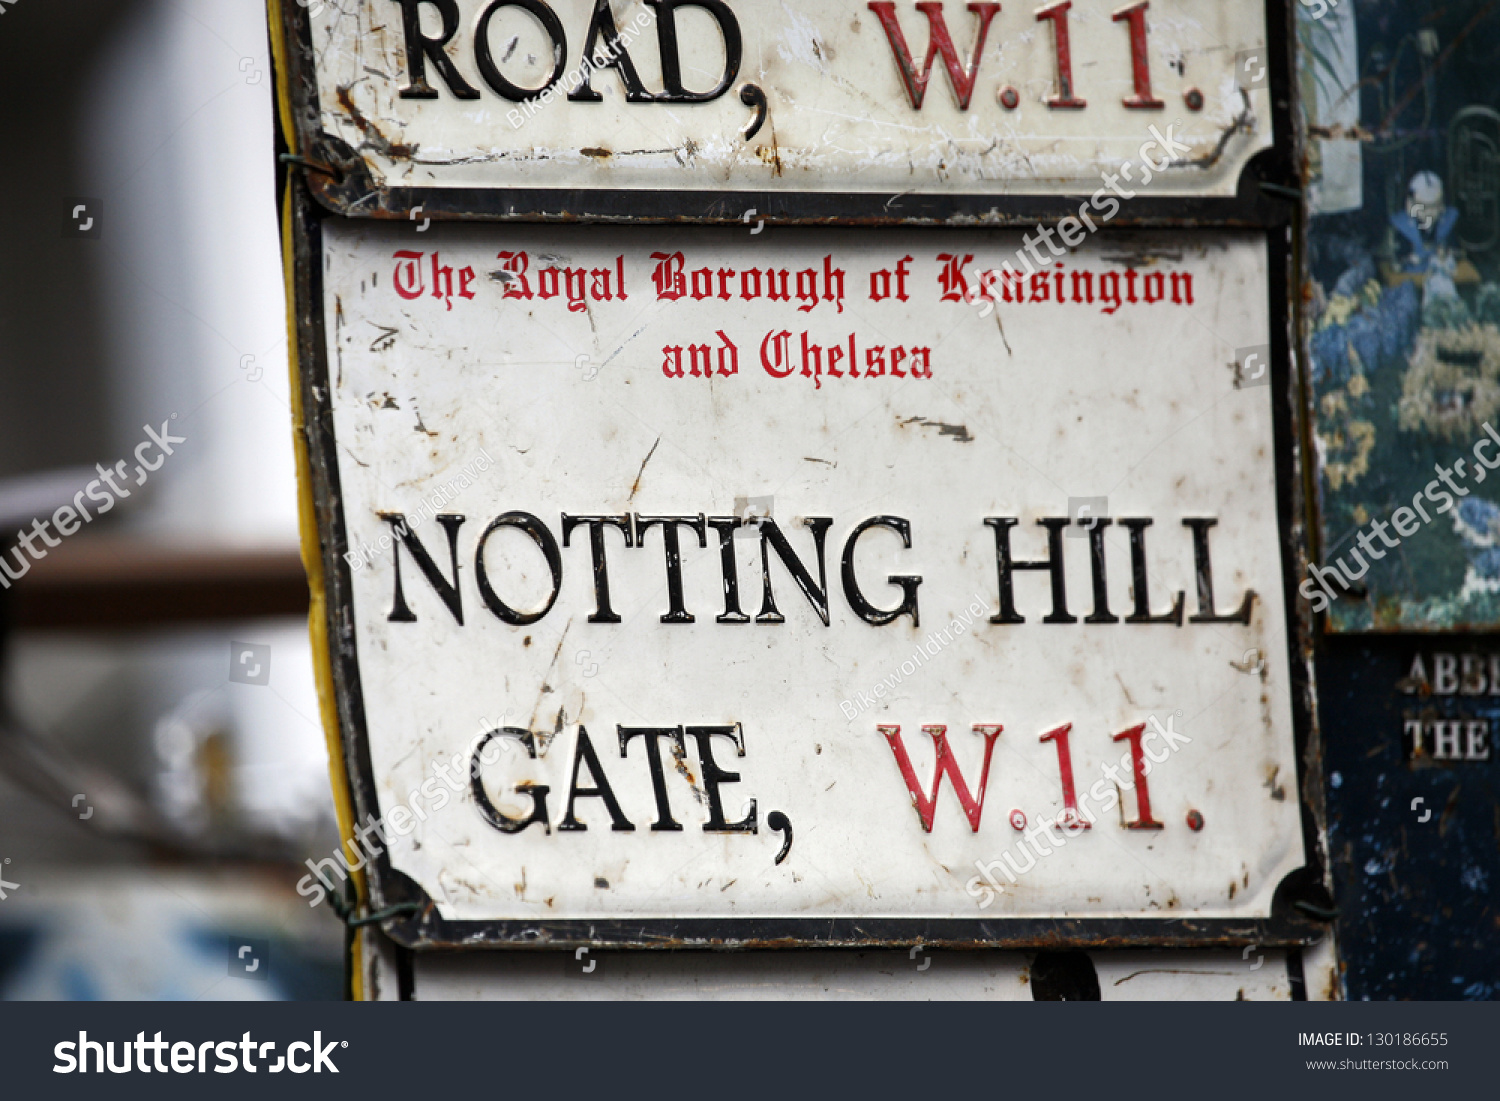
486	60
601	790
1203	567
862	607
817	594
1053	563
449	592
677	612
538	792
671	60
1096	526
603	613
1139	582
602	25
522	521
420	49
725	526
713	776
653	736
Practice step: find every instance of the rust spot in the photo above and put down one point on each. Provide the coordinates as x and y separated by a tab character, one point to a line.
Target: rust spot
596	152
679	762
373	137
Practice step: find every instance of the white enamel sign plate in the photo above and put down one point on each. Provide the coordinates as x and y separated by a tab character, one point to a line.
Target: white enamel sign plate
521	374
842	97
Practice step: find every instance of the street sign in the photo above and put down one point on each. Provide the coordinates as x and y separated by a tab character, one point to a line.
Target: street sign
785	583
551	108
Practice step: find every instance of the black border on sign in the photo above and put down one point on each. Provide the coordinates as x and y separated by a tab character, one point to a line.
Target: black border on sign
1301	903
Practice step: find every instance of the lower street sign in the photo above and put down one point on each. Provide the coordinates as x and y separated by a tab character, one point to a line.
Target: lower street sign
694	585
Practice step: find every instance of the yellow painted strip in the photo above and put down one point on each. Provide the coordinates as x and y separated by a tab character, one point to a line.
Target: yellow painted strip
307	517
279	58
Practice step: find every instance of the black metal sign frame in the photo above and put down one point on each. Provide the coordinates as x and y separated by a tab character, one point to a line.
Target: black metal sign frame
324	180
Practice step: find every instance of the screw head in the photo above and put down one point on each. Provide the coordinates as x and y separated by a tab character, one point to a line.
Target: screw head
1194	821
1018	819
1009	98
1194	99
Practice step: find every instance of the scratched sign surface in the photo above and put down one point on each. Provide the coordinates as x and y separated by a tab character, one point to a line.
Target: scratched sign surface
735	581
1169	97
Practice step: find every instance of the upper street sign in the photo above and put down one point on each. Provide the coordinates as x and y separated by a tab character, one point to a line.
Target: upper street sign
803	583
543	106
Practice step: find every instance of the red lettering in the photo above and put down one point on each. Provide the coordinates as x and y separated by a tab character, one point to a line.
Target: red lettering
1187	287
1157	291
1086	280
926	804
703	353
778	364
939	42
1140	59
548	283
1012	281
667	275
832	277
835	354
1109	290
812	354
1143	821
729	355
1070	816
442	281
951	278
671	362
408	275
1058	14
575	282
515	265
807	289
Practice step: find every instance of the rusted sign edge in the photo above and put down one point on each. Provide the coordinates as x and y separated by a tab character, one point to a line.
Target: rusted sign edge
1302	904
339	178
